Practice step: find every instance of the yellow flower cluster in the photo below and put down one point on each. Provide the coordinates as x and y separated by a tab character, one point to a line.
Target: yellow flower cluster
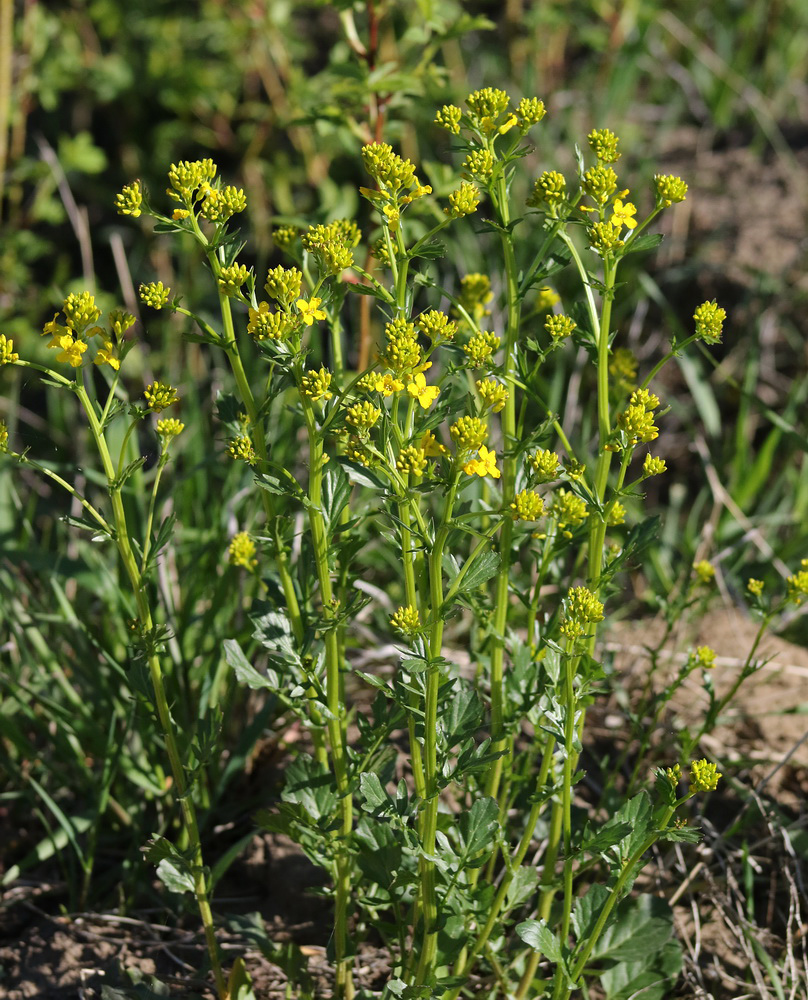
652	466
480	348
798	585
437	326
402	352
406	621
544	465
581	608
362	416
332	244
241	448
559	326
637	420
475	294
463	201
412	460
154	294
568	510
398	185
670	189
7	353
479	165
241	551
549	189
468	434
376	382
265	324
159	396
130	199
709	317
705	572
283	284
600	183
231	278
603	144
168	428
70	340
493	394
703	776
315	385
527	506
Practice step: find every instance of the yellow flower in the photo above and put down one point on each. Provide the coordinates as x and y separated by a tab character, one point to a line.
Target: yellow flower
484	465
105	355
425	394
431	447
71	350
623	215
310	311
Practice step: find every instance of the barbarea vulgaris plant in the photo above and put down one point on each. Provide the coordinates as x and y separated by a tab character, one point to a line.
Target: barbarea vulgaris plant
465	855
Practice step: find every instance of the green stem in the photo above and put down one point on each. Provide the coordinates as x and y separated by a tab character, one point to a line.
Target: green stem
581	955
260	445
502	588
24	460
429	908
337	722
182	790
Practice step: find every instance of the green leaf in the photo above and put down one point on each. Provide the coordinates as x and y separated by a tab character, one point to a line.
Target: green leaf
522	887
587	909
370	787
310	785
478	826
537	935
239	984
336	492
173	869
483	568
245	672
607	836
360	475
463	716
642	927
274	631
650	979
648	241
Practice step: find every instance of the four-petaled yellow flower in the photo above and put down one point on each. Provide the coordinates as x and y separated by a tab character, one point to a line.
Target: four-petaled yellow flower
425	394
623	215
484	465
310	311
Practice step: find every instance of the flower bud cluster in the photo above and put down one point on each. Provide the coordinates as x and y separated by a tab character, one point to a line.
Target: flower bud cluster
314	385
568	511
559	327
402	351
709	317
603	144
581	608
155	295
332	244
545	465
406	621
264	324
241	551
493	394
480	348
283	285
412	460
703	776
159	396
527	506
437	326
463	201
